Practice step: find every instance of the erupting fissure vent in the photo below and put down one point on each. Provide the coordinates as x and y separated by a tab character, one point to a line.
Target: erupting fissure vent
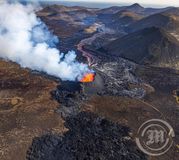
89	77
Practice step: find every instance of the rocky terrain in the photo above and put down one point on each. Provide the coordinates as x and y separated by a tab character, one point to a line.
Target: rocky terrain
26	109
89	137
45	118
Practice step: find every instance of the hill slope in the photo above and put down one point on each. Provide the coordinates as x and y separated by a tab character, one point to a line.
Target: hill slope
168	20
151	46
126	17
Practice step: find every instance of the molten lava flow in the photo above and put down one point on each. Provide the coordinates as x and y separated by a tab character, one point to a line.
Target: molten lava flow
89	77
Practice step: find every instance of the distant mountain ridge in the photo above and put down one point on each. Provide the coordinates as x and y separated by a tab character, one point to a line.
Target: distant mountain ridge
168	20
137	8
114	9
149	38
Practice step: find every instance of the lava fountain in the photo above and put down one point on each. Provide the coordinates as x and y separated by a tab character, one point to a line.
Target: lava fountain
89	77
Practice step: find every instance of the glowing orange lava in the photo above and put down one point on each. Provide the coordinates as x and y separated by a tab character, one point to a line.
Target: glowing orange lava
89	77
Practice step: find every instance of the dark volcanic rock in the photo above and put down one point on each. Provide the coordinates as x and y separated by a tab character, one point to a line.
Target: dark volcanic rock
67	90
89	138
69	94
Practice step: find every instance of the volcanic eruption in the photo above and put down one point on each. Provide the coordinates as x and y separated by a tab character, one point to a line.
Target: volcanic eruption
89	77
26	40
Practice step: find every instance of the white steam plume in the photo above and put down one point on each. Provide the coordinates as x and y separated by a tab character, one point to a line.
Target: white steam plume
25	39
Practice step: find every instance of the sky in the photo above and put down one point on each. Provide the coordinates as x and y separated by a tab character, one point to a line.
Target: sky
142	2
155	2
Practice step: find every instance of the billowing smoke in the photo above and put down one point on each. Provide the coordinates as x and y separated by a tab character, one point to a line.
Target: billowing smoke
25	39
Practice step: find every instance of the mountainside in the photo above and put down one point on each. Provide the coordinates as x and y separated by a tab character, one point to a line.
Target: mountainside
168	20
126	17
110	10
174	11
135	8
152	46
68	19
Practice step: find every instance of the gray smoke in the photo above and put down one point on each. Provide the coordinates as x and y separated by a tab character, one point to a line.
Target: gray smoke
25	39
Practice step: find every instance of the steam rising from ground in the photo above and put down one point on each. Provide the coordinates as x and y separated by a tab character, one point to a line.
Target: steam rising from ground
25	39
